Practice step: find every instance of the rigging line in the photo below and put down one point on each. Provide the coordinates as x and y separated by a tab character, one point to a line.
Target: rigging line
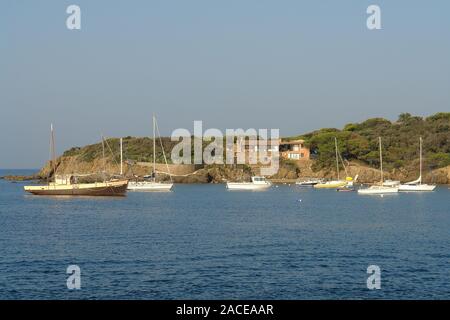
127	161
162	147
130	164
342	160
112	153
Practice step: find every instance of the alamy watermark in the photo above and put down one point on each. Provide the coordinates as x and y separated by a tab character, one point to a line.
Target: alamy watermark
374	280
74	280
73	22
236	146
374	20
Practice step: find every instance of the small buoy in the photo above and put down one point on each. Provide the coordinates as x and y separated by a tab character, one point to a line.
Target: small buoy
381	195
299	200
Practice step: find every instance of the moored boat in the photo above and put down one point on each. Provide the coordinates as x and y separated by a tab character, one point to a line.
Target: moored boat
258	183
106	188
149	183
381	188
417	185
308	182
339	183
378	190
391	183
67	185
333	184
148	186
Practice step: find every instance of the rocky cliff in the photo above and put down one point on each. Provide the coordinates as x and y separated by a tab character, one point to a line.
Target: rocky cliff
289	170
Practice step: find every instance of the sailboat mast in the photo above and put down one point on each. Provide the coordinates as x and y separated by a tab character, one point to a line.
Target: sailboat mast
337	157
103	155
420	177
52	150
154	149
381	160
121	156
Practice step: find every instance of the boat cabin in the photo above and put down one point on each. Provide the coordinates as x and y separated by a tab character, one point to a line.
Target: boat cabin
64	179
258	180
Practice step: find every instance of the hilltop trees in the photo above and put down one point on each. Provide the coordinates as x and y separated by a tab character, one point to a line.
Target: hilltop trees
358	141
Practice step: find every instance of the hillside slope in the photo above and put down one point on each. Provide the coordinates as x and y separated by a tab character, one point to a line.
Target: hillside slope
357	144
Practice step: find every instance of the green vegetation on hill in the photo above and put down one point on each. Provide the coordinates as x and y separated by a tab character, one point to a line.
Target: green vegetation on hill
135	149
359	141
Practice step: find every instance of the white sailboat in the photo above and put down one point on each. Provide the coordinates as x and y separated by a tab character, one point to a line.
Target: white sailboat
339	183
258	183
381	188
152	184
417	185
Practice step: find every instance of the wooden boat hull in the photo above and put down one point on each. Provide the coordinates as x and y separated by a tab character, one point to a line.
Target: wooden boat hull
103	189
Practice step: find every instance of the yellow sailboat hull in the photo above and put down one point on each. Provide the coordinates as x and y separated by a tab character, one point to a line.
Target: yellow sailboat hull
330	185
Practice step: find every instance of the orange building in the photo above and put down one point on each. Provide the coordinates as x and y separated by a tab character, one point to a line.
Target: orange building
294	150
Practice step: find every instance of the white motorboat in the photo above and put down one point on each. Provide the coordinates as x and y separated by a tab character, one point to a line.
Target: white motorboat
417	185
152	184
258	183
381	188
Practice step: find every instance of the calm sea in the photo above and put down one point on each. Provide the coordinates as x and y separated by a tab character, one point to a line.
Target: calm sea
204	242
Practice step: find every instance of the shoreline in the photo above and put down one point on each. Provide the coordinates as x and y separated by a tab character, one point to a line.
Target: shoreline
37	179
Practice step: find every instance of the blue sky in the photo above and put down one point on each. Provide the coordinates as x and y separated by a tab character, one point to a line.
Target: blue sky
292	65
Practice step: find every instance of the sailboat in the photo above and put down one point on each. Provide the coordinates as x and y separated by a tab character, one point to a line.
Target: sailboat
67	185
151	184
417	185
379	189
333	184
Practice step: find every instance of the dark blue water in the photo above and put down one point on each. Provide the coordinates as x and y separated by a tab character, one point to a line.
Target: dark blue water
203	242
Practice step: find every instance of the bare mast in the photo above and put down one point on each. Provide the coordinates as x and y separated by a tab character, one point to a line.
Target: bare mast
154	149
420	177
337	157
381	160
121	156
52	151
104	159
